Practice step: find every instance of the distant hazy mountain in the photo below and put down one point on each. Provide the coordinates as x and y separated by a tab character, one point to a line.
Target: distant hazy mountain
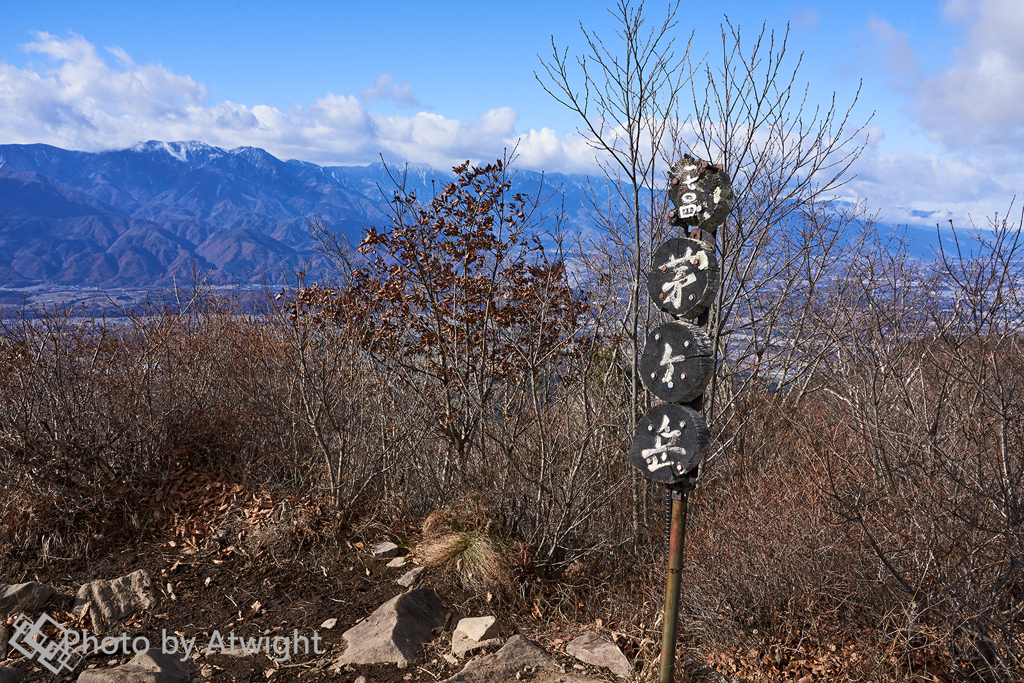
137	216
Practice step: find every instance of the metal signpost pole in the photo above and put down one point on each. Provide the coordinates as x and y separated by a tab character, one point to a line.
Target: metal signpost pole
678	363
677	538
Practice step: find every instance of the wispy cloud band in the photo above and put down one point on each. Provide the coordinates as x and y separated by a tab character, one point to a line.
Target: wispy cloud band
77	100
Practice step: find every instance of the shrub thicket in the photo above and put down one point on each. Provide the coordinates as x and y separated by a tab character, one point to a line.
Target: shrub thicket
883	497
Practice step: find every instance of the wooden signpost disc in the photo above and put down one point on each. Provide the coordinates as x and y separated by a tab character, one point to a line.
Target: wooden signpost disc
677	363
670	441
685	278
701	194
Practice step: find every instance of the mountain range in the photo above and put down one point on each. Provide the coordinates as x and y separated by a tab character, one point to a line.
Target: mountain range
136	217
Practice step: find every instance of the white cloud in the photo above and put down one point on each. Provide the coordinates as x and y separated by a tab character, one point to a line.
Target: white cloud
544	150
922	189
807	18
441	142
897	53
973	110
81	97
980	99
385	88
76	100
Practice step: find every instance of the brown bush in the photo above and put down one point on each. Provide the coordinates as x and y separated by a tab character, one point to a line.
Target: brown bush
879	494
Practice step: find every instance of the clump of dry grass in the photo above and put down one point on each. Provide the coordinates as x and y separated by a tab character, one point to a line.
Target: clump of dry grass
462	544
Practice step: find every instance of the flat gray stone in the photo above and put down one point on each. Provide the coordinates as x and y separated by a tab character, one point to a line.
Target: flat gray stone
502	666
556	677
27	597
384	551
590	648
463	645
397	562
108	602
395	631
410	577
9	674
149	667
478	628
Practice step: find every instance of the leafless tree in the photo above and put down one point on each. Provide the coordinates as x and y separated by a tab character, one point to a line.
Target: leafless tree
624	94
927	378
786	233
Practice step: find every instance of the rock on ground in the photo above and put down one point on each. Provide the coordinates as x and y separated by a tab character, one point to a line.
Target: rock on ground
147	667
517	654
463	644
29	597
395	631
410	577
548	677
384	551
478	628
111	601
590	648
397	562
9	675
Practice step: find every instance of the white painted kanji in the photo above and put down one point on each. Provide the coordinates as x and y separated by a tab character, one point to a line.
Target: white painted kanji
667	359
657	457
689	207
683	275
688	210
689	181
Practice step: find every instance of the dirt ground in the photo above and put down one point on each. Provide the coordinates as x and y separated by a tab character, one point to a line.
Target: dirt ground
230	592
228	562
225	563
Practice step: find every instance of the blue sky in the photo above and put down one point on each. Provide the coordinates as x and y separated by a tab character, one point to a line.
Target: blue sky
341	82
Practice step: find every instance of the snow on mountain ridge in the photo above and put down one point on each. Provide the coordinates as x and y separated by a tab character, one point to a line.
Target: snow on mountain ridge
183	151
248	150
173	202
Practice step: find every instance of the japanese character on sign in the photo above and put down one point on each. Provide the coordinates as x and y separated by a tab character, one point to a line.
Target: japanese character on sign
683	275
661	448
669	443
701	193
676	364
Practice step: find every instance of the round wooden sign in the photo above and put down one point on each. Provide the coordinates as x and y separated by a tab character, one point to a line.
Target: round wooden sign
685	278
677	363
701	194
670	441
